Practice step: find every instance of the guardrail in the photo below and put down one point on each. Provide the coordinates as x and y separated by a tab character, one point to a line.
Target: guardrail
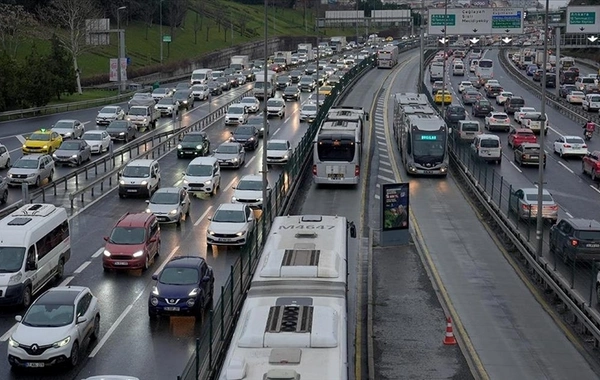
494	195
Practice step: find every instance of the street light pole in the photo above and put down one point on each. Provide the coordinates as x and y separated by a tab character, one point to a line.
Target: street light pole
422	46
318	58
265	123
539	231
445	42
161	32
121	47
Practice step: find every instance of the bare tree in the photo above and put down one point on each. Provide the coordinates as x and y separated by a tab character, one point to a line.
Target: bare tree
242	21
197	26
69	16
15	24
177	10
147	15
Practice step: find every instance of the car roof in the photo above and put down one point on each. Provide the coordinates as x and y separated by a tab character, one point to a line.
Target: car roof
487	136
203	160
227	143
533	190
584	224
530	145
185	261
523	130
61	295
232	206
66	121
94	132
168	190
278	141
141	162
43	130
203	134
138	219
35	156
251	177
572	137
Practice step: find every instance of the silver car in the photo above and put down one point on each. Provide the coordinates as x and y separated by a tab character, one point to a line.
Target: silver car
524	202
108	114
251	103
169	204
72	152
230	154
161	92
31	169
200	91
142	99
69	129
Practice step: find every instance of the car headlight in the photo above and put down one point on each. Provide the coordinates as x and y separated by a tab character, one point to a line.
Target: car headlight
15	279
106	253
234	160
61	343
191	302
24	146
54	155
251	139
233	199
194	292
155	290
179	146
138	253
260	200
122	134
12	342
74	156
121	182
154	301
68	134
148	211
144	183
45	147
285	157
206	182
185	102
241	233
185	181
210	232
198	146
173	212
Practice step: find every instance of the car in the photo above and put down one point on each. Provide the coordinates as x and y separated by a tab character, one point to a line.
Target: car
99	141
518	136
529	154
184	286
203	174
333	80
250	76
230	154
493	91
122	130
4	157
258	121
240	78
233	80
133	243
565	89
194	144
230	225
307	83
31	169
436	86
537	75
454	114
167	106
237	114
570	146
497	120
535	121
295	76
315	98
443	96
249	191
224	82
139	177
215	88
575	97
246	135
184	99
522	112
282	82
108	114
55	328
182	86
503	96
482	107
491	82
72	152
161	92
276	107
591	103
531	69
513	104
325	90
169	204
69	129
591	164
251	103
278	152
524	202
463	85
487	147
142	99
41	141
575	239
475	82
291	92
550	80
470	97
200	91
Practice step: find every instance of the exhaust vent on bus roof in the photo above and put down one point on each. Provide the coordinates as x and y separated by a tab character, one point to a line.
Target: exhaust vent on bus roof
281	374
19	221
294	319
301	257
37	209
285	356
312	218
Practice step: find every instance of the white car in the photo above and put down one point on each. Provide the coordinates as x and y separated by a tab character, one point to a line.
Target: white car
591	102
464	85
99	141
249	191
112	377
109	114
521	112
236	114
55	328
69	129
497	120
230	154
31	169
230	225
203	174
570	146
251	103
533	121
278	152
167	106
575	97
200	91
491	82
4	157
501	98
473	65
308	112
169	204
276	107
161	92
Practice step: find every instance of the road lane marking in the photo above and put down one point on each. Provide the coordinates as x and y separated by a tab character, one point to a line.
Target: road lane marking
201	218
569	215
169	256
274	133
20	138
85	122
229	185
595	188
515	166
81	267
566	167
249	162
386	178
66	281
98	252
7	334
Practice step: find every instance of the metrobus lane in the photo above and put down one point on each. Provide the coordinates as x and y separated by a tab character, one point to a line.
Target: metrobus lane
165	124
495	306
123	296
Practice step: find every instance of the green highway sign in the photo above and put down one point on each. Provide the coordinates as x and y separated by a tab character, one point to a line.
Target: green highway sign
166	38
438	20
583	19
506	23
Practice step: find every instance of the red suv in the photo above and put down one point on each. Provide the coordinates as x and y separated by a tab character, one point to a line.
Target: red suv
133	242
518	136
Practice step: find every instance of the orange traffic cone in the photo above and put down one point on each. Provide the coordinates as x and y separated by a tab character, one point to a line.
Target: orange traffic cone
449	339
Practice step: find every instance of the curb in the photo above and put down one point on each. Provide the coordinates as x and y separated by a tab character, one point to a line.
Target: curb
370	302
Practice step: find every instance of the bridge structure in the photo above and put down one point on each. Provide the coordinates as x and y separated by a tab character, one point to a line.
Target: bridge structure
567	41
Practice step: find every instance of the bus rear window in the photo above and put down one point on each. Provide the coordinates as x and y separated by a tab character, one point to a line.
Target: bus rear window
336	150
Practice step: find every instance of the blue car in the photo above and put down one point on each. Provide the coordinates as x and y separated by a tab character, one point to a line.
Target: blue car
185	286
531	69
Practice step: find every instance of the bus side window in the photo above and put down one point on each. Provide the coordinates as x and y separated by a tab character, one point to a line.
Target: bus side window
409	144
31	255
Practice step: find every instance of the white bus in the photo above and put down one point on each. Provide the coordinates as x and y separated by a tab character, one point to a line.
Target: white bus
35	244
387	57
294	320
485	68
337	146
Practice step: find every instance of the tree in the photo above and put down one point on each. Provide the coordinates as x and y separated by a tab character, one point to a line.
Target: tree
15	25
8	82
34	81
62	75
197	26
176	13
147	14
69	16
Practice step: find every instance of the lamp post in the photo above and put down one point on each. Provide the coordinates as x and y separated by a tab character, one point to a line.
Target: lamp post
422	46
318	58
539	231
161	32
121	48
445	42
265	123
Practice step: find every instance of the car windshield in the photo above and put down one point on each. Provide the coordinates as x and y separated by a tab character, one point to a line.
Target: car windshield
499	116
92	136
472	93
39	137
11	259
70	145
470	127
255	121
248	101
273	102
490	143
199	87
533	197
108	110
276	146
121	124
165	198
165	101
26	164
588	235
181	95
309	107
160	91
228	149
140	96
138	111
484	103
193	138
244	131
527	109
127	235
229	216
250	185
574	140
64	125
131	171
199	170
291	89
283	79
236	110
42	314
179	276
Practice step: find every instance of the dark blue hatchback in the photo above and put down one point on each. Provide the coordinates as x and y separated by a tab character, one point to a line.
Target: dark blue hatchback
185	286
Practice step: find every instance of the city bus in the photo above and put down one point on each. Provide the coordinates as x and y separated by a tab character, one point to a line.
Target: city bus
485	68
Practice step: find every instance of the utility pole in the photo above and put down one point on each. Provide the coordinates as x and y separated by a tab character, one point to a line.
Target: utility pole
265	195
422	46
161	32
445	42
121	48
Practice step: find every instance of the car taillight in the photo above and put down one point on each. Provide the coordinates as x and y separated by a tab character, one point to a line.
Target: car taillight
492	119
314	169
553	207
356	171
526	207
567	146
584	146
574	242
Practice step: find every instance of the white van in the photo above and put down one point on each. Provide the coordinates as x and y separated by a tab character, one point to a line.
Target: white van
473	65
436	72
467	130
139	177
35	244
458	69
487	147
203	175
201	76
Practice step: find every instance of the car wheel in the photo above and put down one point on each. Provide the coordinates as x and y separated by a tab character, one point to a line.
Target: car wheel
60	270
26	297
593	175
146	263
179	220
37	181
7	165
74	359
96	331
4	198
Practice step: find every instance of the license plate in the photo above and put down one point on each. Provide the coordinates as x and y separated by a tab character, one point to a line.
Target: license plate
429	172
534	157
593	245
131	190
172	308
121	263
335	176
34	365
576	146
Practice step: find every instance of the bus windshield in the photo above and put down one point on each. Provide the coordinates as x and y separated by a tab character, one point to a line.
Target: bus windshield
429	147
330	149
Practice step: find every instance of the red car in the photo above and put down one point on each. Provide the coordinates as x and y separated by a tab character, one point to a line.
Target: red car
275	67
133	243
518	136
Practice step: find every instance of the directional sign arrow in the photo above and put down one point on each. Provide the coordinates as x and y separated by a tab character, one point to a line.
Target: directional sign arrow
593	38
507	30
474	40
474	30
582	28
443	30
443	40
506	40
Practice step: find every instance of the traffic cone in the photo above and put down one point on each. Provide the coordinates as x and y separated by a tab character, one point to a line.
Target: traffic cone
449	339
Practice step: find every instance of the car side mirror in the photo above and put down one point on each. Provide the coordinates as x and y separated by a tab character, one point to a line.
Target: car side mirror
120	174
234	187
268	188
250	219
31	265
105	238
81	320
206	279
209	218
18	318
148	201
153	240
155	277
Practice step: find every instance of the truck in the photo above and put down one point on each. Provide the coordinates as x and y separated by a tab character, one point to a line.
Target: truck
259	90
283	59
240	62
387	57
338	43
144	117
306	51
